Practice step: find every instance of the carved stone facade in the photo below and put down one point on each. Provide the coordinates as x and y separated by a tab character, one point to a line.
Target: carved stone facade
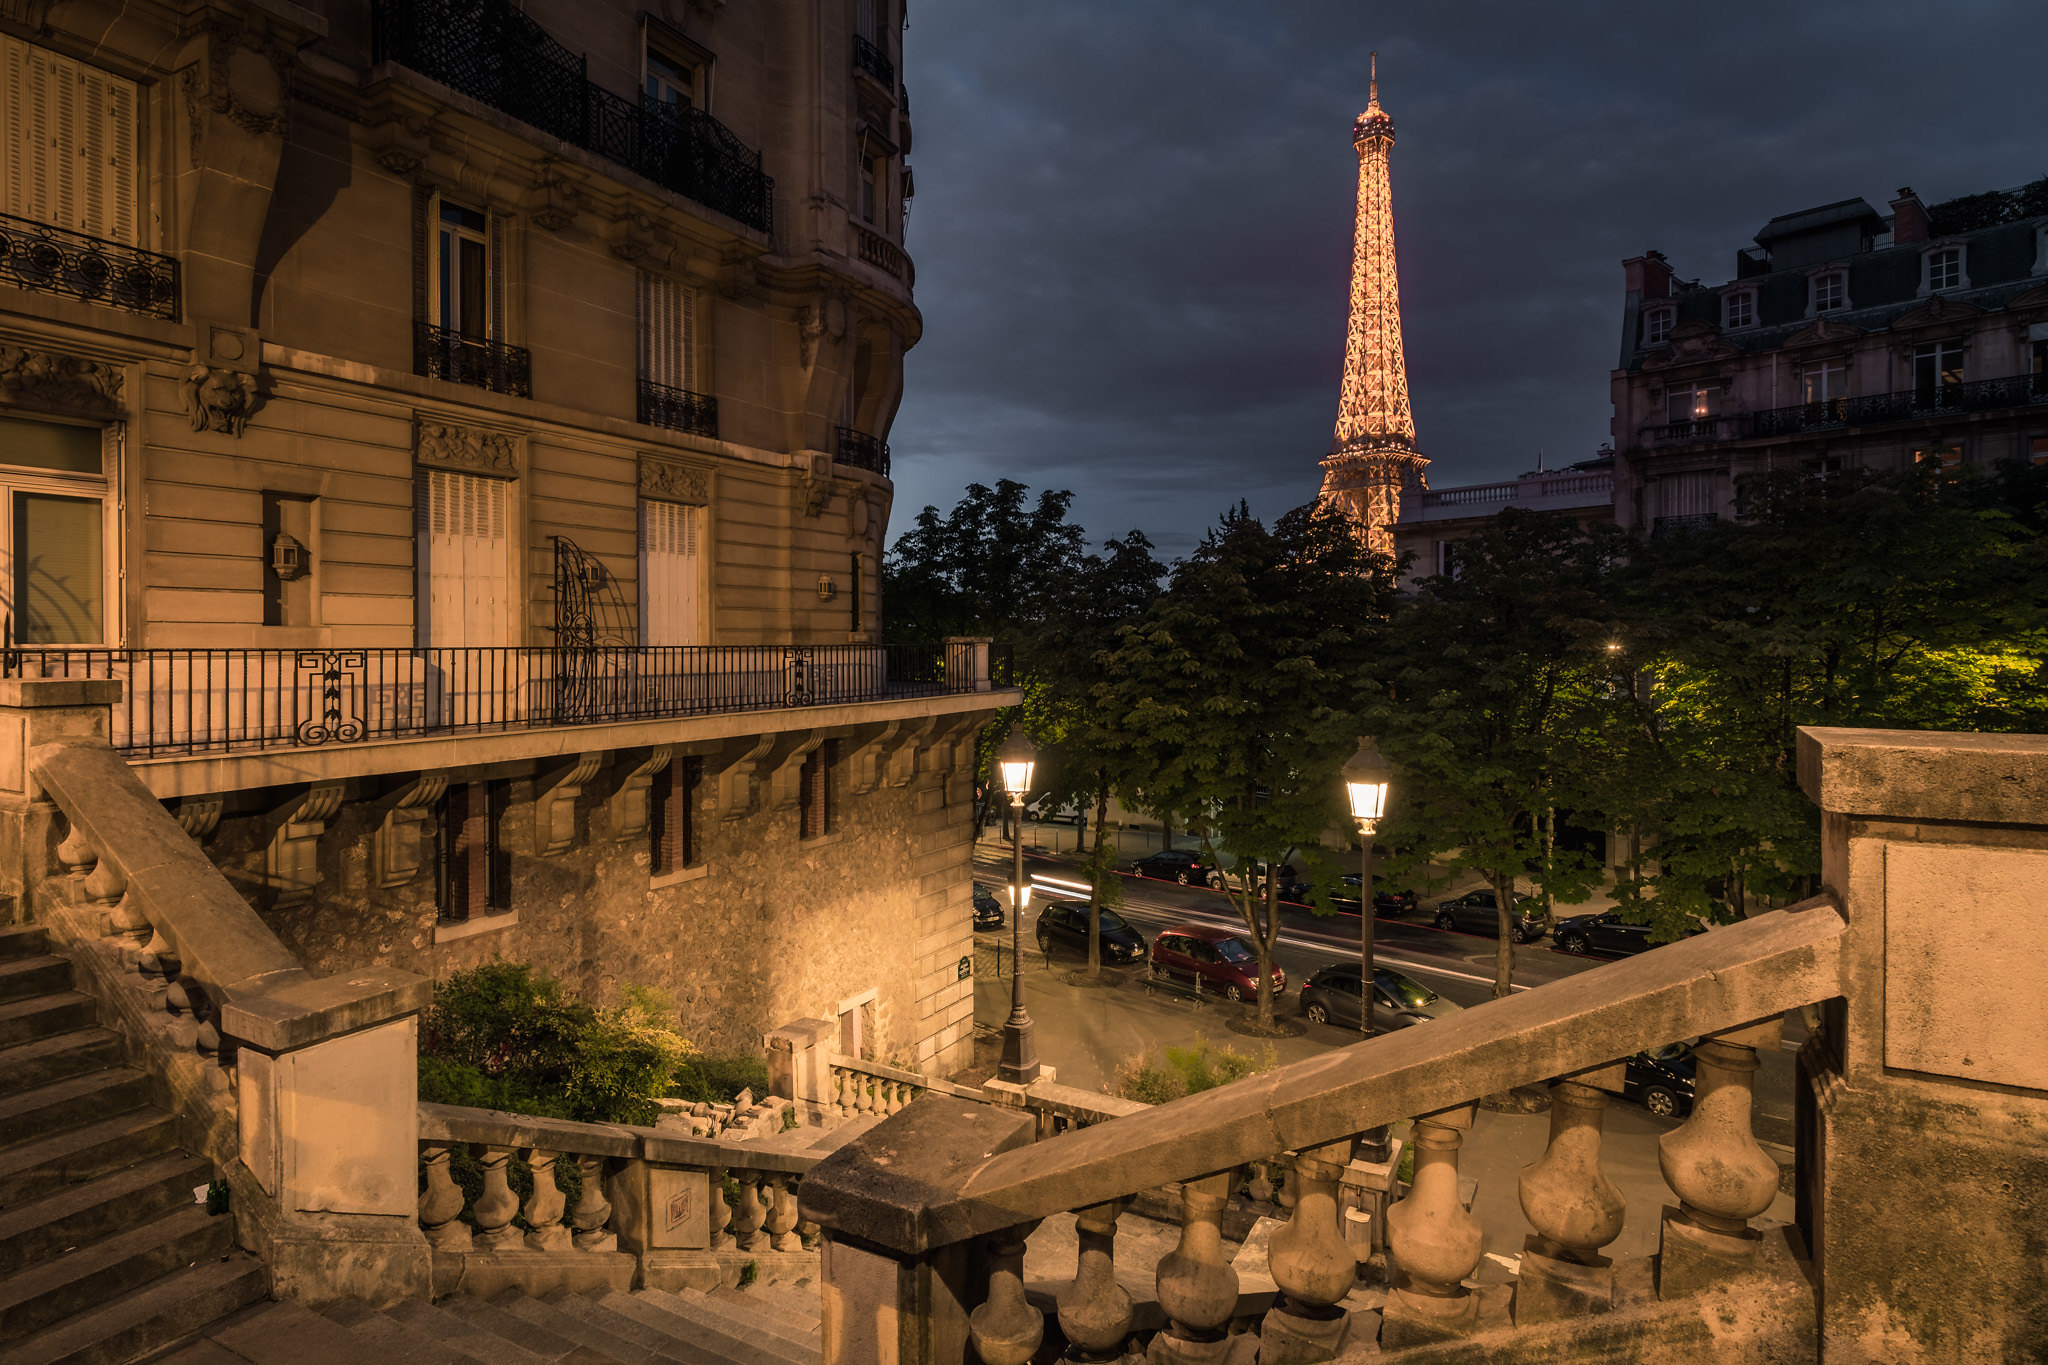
50	381
674	482
473	450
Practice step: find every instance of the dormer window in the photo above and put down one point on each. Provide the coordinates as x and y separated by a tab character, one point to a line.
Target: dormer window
1739	309
1657	326
1830	291
1943	269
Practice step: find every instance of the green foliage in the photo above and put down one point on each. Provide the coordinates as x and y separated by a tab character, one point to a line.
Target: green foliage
505	1036
990	565
718	1080
1157	1075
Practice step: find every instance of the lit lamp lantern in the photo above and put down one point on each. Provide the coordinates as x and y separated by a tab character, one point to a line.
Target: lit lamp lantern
1014	762
1366	781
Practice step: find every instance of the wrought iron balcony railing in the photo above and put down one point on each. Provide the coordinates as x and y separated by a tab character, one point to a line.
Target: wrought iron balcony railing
678	409
192	701
1691	429
491	52
54	260
1685	524
861	450
880	252
439	353
1908	405
871	59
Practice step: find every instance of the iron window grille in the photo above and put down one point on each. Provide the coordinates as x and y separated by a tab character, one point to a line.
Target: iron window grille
439	353
870	58
678	409
861	450
54	260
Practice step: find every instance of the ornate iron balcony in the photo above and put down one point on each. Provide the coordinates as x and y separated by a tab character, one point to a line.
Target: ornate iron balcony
54	260
861	450
1661	527
1938	400
678	409
870	58
441	354
491	52
880	252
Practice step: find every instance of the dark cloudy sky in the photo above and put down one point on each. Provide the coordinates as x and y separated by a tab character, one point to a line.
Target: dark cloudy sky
1133	221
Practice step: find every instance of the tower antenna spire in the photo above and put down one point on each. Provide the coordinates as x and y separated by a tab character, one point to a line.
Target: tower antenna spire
1374	101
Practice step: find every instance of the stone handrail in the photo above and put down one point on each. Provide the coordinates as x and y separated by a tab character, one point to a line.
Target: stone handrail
859	1087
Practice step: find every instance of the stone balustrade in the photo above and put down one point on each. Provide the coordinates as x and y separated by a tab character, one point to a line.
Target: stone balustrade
860	1089
609	1205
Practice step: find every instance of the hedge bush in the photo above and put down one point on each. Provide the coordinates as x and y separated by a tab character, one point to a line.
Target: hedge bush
1157	1075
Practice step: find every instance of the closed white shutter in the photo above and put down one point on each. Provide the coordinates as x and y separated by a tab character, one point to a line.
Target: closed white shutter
671	606
1690	495
71	155
668	332
464	594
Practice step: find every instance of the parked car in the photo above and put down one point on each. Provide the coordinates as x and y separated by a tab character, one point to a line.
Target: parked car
1174	865
1385	904
1284	871
1608	933
1046	811
1064	925
1660	1080
988	908
1398	1001
1210	960
1477	912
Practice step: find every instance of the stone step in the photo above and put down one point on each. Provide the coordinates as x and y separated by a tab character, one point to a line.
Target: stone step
23	1021
40	974
71	1103
761	1298
78	1214
494	1325
28	1065
452	1330
23	940
152	1317
400	1344
747	1310
293	1334
35	1298
709	1326
30	1170
802	1304
665	1346
542	1313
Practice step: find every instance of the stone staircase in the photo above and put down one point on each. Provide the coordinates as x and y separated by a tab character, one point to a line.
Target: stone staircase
758	1325
104	1254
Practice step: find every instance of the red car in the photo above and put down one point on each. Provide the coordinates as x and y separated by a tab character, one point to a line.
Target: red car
1211	960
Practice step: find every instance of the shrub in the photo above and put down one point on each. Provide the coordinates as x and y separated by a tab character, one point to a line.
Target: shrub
1158	1075
719	1080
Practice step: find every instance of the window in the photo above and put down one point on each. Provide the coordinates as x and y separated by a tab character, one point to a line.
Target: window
1823	381
54	532
2040	366
670	83
671	574
668	332
874	174
1682	495
1657	326
2041	450
1830	291
868	17
1937	371
463	585
1693	403
1823	468
814	791
1944	269
671	810
73	162
462	261
473	875
1740	309
1948	457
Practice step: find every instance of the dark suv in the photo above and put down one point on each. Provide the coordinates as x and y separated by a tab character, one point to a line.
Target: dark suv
1064	925
1211	960
1660	1080
988	909
1344	896
1477	912
1174	865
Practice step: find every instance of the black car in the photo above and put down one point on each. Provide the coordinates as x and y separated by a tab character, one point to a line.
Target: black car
1344	896
988	909
1331	997
1174	865
1660	1080
1477	912
1064	925
1608	933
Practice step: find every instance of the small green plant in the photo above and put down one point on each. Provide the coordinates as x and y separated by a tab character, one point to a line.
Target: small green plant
1406	1175
1158	1075
749	1273
719	1080
789	1119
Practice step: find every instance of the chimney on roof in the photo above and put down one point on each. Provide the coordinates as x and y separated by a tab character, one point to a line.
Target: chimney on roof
1909	217
1648	275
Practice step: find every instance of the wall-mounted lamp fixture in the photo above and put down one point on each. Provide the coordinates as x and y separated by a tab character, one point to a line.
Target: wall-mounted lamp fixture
289	559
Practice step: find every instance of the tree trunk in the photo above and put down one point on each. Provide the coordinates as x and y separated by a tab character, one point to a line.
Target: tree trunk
1165	833
1095	876
1268	934
1549	864
1504	951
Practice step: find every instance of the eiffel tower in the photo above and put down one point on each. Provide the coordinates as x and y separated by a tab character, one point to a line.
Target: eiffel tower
1373	457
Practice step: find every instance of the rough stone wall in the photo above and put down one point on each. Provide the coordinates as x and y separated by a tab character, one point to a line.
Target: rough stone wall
775	929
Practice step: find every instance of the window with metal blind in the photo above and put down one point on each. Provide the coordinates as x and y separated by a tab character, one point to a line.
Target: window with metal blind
1689	495
474	873
671	826
671	574
867	19
70	159
814	791
462	584
668	332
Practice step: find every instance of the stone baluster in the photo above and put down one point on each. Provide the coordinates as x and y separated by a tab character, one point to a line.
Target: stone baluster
1311	1262
747	1219
545	1206
1197	1287
1006	1329
1433	1241
899	1095
441	1203
781	1220
183	1021
592	1212
75	852
495	1207
1259	1188
1572	1205
842	1100
1095	1311
721	1212
104	884
809	1235
1713	1164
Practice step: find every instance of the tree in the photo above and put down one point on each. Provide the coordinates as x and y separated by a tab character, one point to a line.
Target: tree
1492	694
1235	699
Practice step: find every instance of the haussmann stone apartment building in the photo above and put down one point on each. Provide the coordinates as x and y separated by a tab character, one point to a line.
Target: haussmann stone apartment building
461	427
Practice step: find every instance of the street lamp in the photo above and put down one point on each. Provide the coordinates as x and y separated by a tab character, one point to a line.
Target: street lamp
1014	762
1366	779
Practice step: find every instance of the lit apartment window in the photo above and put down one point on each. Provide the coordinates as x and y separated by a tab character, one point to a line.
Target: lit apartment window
1944	269
473	876
671	574
2041	450
1694	403
1741	309
1657	326
671	825
462	272
1830	291
1823	381
72	161
814	791
53	532
1947	457
1937	371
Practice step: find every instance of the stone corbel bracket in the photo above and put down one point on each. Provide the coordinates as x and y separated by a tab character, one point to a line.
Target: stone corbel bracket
398	847
554	803
916	739
636	238
870	760
629	802
956	762
556	197
291	860
736	778
787	785
199	816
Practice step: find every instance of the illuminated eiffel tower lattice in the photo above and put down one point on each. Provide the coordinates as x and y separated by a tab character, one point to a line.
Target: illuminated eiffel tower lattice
1373	457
